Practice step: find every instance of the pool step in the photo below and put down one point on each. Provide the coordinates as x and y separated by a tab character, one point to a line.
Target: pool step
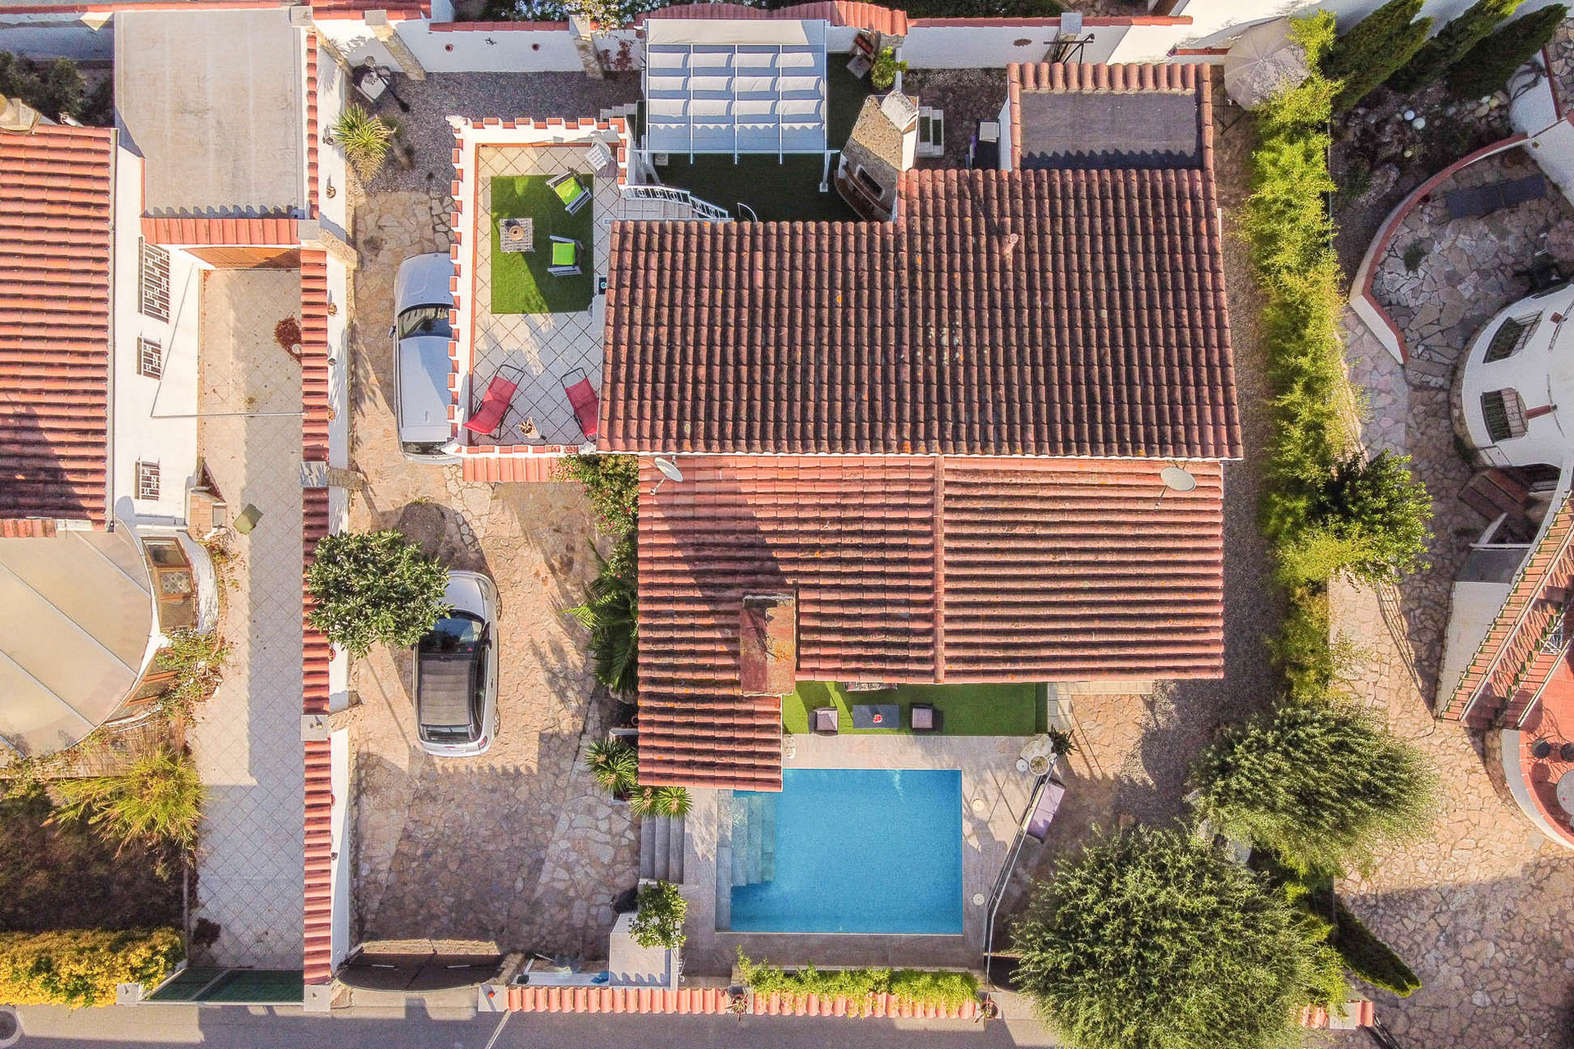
661	848
752	849
723	859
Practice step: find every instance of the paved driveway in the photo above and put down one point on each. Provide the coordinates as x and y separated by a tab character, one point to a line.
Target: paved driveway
517	845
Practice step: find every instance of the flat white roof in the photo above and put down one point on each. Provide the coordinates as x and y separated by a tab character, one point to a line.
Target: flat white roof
735	86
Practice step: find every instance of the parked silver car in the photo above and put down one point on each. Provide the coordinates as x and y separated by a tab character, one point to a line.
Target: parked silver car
421	333
455	672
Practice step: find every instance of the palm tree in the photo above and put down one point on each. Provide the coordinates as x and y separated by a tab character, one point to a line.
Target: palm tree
614	766
661	801
158	799
611	614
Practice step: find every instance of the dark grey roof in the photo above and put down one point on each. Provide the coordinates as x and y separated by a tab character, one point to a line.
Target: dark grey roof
1101	129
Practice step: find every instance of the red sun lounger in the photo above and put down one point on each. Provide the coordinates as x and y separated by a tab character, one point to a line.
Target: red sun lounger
499	395
582	396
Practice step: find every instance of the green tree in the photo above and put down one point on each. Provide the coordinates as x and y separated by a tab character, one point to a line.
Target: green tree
372	588
611	482
1319	782
1452	44
1374	48
659	922
1151	940
611	613
1371	518
56	89
1486	67
159	799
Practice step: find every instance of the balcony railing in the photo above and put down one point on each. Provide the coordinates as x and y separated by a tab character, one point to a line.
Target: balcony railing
702	208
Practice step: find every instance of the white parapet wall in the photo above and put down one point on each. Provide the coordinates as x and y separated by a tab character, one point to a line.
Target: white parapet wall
493	47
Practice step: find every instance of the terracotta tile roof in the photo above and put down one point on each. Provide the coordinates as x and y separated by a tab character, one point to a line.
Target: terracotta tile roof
1084	114
250	231
1042	312
911	569
1511	668
56	189
886	20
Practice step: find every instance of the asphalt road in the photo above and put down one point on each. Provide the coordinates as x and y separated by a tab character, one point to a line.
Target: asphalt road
241	1027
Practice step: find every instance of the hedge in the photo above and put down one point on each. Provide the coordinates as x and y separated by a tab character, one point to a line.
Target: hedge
82	967
946	988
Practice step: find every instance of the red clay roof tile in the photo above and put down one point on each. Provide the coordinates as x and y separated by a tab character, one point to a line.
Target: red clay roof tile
55	201
912	569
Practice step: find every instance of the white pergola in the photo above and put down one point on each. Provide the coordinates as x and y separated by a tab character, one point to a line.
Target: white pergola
735	86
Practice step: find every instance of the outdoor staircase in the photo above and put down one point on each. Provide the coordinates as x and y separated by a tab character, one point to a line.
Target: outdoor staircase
745	846
661	848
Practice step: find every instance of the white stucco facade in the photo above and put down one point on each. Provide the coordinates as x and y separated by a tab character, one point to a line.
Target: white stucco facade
152	420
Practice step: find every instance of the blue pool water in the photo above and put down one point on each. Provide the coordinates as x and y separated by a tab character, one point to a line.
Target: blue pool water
850	850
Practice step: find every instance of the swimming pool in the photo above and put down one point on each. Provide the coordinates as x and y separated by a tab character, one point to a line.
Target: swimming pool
849	850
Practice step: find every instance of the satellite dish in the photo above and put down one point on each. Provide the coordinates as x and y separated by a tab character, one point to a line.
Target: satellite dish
669	472
1174	478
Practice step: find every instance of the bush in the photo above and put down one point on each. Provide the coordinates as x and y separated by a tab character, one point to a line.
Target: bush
659	922
1150	939
159	799
198	662
1368	958
612	482
1486	67
374	588
81	967
1319	782
1370	518
948	989
1373	48
883	74
611	613
1453	43
364	138
1301	651
56	89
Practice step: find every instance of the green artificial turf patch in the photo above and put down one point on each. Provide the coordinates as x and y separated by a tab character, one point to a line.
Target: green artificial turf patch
520	281
965	710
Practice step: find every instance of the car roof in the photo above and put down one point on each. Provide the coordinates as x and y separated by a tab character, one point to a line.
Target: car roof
423	389
444	690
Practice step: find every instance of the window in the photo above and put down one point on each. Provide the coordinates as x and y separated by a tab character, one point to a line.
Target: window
1504	414
173	582
150	358
147	480
1510	337
153	282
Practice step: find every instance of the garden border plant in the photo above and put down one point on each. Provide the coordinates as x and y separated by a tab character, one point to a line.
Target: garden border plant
945	988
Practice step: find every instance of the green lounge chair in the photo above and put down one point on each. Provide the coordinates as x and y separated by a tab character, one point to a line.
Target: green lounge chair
565	257
568	189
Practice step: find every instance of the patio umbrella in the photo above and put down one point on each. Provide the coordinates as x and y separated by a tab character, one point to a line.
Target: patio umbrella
1262	61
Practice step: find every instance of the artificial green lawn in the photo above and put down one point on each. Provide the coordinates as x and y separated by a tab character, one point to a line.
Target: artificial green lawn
520	281
966	710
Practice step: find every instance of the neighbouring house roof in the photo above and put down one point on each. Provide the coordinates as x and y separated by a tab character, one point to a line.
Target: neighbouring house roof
1513	665
76	613
1078	116
56	189
911	569
1044	312
212	100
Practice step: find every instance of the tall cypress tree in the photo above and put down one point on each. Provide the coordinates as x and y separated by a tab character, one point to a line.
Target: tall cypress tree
1374	47
1486	67
1449	46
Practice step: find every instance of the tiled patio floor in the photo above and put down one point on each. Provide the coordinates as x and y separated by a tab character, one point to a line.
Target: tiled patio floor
247	739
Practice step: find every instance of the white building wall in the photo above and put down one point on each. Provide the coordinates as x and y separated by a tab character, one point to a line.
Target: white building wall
450	48
152	420
339	836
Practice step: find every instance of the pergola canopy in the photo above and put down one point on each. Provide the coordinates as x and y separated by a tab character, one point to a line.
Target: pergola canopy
735	86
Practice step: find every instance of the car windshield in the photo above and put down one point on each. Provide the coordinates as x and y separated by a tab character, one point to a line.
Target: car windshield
425	320
459	632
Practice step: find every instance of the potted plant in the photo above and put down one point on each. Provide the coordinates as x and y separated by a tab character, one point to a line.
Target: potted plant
886	66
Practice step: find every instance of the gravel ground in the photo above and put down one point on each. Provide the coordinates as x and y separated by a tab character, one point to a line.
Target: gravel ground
506	95
1135	751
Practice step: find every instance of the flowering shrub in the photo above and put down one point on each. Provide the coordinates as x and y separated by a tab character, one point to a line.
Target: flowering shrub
612	482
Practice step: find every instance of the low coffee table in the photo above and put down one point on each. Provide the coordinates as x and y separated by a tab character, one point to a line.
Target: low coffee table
517	234
877	715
